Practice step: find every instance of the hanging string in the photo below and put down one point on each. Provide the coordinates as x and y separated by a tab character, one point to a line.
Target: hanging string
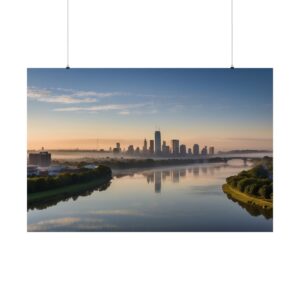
68	33
232	67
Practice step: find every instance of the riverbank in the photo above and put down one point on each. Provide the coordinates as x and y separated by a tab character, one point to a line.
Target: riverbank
247	199
64	192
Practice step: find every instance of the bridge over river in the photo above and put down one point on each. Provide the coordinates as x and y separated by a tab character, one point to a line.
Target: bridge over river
244	159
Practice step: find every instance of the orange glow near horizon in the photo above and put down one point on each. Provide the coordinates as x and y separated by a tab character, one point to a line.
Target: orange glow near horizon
96	108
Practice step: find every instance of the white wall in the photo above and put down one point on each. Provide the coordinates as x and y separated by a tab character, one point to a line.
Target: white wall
157	33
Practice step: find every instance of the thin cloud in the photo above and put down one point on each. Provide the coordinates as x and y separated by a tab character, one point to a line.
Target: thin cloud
66	100
106	107
98	95
37	93
69	97
44	95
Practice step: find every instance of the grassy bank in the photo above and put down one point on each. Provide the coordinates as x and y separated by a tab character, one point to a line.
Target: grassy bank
64	192
247	199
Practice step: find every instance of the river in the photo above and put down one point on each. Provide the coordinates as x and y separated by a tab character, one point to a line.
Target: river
181	198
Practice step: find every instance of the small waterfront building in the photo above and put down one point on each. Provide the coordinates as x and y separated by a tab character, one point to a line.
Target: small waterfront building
32	170
55	170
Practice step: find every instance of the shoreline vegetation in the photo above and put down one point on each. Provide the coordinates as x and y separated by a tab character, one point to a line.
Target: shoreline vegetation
42	200
254	206
247	199
253	187
66	184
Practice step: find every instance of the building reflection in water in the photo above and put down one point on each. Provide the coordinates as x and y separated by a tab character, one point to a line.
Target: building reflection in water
196	171
150	177
174	175
166	174
157	181
182	172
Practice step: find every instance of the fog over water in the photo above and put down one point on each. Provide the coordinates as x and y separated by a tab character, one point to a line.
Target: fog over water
77	155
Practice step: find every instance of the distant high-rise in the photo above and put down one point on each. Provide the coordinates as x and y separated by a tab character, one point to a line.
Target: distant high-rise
145	146
189	151
157	139
196	149
211	150
204	151
164	147
117	149
175	146
151	147
182	150
130	149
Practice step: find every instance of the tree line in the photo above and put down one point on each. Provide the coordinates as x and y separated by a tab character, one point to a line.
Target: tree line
257	181
40	184
143	163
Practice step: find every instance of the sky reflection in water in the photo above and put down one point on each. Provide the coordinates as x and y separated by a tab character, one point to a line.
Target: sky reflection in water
169	199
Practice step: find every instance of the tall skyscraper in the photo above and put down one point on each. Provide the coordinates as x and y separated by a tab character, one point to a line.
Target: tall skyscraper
157	139
196	149
211	150
145	146
151	147
175	146
182	150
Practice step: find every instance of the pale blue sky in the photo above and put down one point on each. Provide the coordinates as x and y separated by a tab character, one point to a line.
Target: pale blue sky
212	106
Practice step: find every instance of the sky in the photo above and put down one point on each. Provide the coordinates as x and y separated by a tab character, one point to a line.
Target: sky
95	108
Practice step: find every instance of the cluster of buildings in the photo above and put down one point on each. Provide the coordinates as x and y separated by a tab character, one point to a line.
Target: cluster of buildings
160	148
39	163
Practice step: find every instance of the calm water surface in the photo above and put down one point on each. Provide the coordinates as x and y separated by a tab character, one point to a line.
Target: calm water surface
168	199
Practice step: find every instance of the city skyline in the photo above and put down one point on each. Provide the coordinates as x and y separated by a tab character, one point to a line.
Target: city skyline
157	147
95	108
